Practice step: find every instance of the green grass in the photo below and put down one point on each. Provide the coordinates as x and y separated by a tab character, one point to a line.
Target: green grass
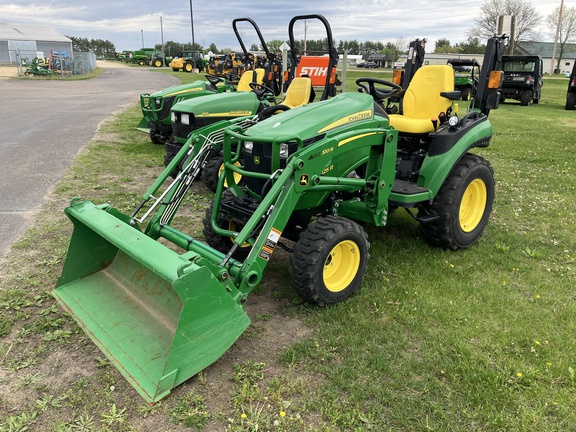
480	339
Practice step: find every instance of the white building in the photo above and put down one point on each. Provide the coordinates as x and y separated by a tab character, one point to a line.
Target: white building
22	41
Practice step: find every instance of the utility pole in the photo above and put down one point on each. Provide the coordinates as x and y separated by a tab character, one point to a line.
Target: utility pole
192	25
305	28
162	39
142	37
556	37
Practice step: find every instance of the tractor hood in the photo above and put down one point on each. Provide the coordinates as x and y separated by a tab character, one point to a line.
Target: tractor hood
194	87
221	105
345	111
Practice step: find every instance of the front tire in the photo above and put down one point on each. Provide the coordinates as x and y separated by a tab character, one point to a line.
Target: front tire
211	172
466	93
463	204
329	260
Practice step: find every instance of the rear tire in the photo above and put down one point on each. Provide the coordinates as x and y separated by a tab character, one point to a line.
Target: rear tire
463	204
570	101
158	63
223	243
466	93
526	98
188	67
329	260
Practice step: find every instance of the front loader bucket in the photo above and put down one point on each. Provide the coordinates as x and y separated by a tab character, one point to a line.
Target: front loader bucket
157	316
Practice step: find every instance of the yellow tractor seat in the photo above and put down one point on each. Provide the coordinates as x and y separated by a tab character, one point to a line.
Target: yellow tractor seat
422	101
256	75
298	93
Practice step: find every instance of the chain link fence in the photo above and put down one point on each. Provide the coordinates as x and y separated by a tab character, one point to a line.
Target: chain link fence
48	63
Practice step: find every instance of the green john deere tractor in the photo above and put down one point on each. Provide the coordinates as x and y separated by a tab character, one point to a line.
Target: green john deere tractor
156	106
309	72
312	176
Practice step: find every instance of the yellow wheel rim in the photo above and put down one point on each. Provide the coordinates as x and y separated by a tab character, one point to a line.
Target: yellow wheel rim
233	227
341	266
237	176
473	205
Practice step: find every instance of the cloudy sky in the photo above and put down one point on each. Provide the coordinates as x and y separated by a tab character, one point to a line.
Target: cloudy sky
126	23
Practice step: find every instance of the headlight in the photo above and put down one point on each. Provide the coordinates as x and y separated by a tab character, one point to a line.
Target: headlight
283	150
518	79
158	102
248	146
453	121
172	116
185	118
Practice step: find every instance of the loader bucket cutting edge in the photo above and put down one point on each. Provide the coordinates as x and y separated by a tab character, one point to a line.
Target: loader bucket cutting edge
159	318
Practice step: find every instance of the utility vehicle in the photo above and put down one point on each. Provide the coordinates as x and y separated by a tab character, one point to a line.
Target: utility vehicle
522	78
571	93
313	175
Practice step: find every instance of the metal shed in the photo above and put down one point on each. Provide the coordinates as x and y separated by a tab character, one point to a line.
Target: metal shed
23	41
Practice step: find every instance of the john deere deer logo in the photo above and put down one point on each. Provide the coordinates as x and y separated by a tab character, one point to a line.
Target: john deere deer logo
304	180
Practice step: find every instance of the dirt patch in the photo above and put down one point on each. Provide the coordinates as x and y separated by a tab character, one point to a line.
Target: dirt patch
8	71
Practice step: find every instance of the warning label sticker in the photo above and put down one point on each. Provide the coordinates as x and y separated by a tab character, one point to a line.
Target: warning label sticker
270	244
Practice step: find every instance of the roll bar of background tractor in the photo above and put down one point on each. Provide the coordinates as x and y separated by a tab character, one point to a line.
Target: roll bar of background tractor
251	21
332	53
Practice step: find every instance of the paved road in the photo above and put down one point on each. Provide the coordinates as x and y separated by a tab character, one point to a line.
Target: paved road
43	126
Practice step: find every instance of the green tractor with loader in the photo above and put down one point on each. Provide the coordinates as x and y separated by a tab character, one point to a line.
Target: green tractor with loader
156	107
312	176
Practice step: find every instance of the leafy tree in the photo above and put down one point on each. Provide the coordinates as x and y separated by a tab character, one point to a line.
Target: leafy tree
100	47
566	29
274	45
172	48
527	19
394	50
443	46
471	46
213	48
254	47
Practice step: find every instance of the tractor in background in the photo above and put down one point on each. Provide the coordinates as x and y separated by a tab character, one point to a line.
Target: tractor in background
310	72
156	107
466	79
188	61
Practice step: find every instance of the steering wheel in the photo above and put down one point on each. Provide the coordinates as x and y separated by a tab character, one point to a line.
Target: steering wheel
261	90
369	86
271	110
213	79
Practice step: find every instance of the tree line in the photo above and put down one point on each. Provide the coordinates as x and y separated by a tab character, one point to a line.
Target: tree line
102	48
528	21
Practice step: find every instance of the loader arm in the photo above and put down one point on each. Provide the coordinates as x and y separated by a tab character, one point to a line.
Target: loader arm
311	171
